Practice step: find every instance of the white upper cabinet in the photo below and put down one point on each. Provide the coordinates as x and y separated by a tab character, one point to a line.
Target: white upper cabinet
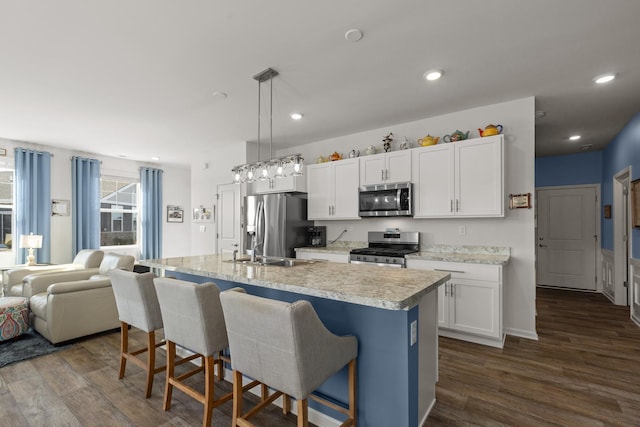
462	179
281	185
386	168
332	189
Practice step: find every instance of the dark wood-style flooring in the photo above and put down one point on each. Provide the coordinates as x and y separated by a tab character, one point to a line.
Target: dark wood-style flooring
584	371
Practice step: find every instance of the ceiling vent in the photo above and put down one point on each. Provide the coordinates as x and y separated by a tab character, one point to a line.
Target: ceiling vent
586	147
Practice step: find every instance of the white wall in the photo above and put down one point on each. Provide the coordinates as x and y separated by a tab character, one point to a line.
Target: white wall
207	172
515	230
176	183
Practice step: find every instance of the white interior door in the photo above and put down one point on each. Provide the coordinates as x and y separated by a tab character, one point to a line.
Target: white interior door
567	237
230	227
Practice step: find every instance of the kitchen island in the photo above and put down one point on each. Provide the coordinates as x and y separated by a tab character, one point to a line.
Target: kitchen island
392	312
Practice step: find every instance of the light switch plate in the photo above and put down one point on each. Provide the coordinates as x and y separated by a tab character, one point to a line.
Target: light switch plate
203	228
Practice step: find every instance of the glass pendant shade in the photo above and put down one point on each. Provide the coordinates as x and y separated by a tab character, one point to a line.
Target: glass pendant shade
280	170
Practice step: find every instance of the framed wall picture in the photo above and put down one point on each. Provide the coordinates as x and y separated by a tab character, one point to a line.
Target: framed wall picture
607	211
202	214
60	207
175	213
635	203
520	201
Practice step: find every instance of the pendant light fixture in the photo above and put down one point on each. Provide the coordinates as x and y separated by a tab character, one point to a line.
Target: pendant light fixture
271	168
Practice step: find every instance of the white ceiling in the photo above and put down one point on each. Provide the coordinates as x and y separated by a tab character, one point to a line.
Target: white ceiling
136	78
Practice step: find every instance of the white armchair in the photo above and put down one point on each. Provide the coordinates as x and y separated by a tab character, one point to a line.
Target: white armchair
85	259
73	304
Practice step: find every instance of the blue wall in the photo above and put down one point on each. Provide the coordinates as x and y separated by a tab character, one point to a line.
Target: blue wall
623	151
571	169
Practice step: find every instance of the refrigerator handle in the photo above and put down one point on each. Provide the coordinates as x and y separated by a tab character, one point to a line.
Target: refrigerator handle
260	224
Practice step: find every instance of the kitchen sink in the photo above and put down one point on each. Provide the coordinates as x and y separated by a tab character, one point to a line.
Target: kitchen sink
273	261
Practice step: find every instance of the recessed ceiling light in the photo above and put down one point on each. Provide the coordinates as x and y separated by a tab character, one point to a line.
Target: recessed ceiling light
432	75
605	78
353	35
296	116
219	95
574	137
155	158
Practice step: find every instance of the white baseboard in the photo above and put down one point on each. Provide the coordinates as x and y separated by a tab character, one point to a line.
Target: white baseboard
423	422
522	333
492	342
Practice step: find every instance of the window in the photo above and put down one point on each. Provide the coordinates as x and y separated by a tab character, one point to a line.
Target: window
6	208
118	211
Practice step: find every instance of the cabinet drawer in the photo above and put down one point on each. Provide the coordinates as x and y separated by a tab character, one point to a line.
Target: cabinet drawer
460	270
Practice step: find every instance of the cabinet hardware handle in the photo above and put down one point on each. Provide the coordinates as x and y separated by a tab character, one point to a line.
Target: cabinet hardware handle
453	289
381	174
457	205
448	271
386	174
445	289
542	246
451	205
329	209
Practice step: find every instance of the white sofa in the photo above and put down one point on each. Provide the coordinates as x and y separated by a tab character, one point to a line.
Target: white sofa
86	258
72	304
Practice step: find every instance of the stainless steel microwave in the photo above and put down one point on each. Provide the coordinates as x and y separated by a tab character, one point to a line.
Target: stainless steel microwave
386	200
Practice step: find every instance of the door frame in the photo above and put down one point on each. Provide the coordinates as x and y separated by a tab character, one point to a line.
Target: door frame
598	260
622	296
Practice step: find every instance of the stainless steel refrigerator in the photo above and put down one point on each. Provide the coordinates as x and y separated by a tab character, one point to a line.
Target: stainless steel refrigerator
277	222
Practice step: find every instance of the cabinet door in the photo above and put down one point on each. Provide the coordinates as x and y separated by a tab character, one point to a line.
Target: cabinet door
346	174
478	180
398	166
372	169
433	181
443	306
320	191
474	307
280	185
229	222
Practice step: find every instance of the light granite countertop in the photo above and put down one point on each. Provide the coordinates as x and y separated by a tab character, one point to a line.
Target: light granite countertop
381	287
494	255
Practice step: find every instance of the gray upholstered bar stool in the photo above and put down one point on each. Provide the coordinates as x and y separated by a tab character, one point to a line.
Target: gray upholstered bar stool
193	319
137	306
288	348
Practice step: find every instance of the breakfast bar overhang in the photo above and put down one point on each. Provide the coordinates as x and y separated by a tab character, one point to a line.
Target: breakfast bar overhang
392	312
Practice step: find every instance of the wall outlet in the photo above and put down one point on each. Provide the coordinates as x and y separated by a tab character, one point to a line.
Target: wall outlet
414	332
462	230
203	228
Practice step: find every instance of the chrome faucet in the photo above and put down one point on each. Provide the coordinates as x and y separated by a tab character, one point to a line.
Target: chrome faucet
235	252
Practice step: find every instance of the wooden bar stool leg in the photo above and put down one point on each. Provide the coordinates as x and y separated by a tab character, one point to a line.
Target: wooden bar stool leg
237	397
286	404
151	360
303	415
209	390
171	365
352	392
124	347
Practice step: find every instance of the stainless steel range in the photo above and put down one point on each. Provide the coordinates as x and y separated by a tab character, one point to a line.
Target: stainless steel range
387	248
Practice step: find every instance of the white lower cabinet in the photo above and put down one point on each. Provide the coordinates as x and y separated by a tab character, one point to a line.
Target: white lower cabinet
323	256
470	304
